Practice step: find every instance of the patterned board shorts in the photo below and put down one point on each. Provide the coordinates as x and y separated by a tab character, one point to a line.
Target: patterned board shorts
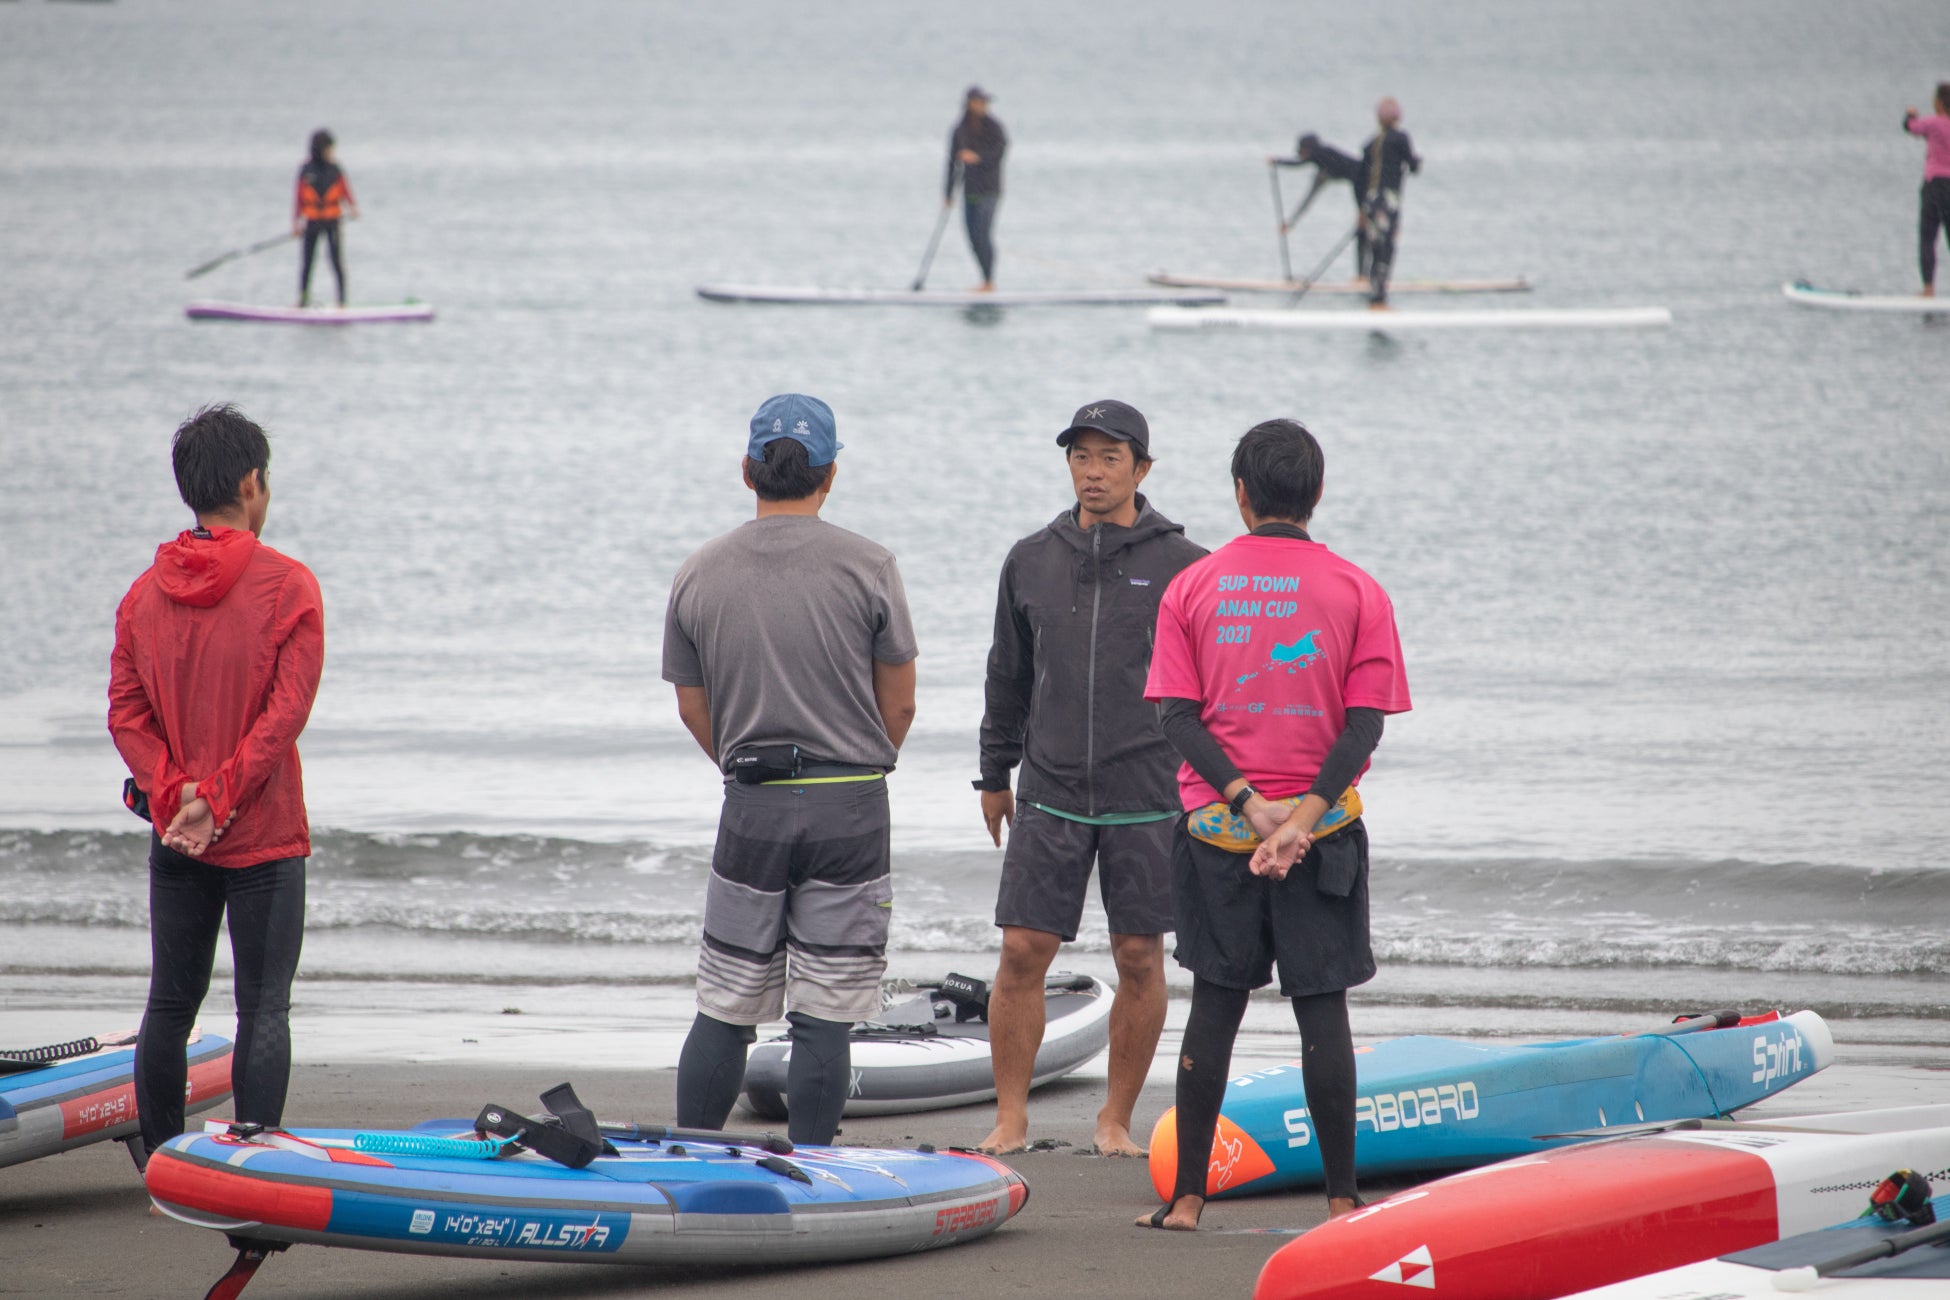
798	904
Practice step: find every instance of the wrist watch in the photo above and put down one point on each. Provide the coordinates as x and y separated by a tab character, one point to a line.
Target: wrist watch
1238	801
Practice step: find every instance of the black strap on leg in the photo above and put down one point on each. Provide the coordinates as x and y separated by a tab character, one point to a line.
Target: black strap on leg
249	1255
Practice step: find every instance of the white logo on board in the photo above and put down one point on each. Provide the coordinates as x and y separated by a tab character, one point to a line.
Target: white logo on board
1416	1268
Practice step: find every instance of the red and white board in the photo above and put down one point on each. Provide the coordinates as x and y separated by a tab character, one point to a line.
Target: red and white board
1548	1225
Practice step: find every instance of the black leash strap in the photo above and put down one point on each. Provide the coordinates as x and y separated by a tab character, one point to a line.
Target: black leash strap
33	1058
569	1136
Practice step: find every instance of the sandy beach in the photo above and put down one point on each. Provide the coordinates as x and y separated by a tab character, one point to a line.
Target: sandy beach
77	1223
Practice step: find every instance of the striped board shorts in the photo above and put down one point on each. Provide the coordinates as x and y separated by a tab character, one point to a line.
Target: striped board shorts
798	903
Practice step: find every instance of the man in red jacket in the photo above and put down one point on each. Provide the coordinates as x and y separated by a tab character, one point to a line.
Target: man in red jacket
218	648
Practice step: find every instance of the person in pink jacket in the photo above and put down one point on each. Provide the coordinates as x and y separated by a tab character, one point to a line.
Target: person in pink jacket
1936	181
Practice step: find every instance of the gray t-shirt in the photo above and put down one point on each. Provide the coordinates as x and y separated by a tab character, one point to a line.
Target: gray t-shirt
779	621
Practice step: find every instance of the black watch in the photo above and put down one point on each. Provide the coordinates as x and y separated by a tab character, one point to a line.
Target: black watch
1238	802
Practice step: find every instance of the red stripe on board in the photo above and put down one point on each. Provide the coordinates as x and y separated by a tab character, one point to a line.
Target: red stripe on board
97	1110
230	1192
209	1081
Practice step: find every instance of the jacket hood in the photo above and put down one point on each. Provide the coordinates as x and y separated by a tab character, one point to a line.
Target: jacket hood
1149	524
199	568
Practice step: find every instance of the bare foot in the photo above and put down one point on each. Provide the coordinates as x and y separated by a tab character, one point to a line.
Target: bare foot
1115	1140
1180	1216
1929	291
986	286
1379	306
1339	1205
1006	1140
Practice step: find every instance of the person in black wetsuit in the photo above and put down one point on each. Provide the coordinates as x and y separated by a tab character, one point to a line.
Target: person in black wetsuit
1384	161
975	149
1334	165
323	195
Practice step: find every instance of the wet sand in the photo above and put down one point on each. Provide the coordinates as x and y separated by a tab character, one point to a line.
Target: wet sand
77	1224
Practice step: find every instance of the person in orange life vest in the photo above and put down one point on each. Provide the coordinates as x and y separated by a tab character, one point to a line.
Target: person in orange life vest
322	195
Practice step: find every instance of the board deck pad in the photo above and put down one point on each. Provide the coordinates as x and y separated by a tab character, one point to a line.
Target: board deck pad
809	295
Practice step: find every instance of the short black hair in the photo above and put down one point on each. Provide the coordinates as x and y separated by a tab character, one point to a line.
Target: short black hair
785	474
321	140
212	451
1282	467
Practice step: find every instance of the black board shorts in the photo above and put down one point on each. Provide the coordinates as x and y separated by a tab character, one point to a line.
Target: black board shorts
1234	927
1046	874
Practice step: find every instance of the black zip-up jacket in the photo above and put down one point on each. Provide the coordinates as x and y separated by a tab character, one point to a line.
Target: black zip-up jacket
985	136
1075	619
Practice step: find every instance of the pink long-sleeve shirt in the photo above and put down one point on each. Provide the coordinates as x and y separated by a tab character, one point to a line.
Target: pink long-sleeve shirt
1935	130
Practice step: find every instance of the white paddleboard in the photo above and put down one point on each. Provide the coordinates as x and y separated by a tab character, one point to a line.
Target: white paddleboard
813	296
1395	320
1849	300
392	311
1338	288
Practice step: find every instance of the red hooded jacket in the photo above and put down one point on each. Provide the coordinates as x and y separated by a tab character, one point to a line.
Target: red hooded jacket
218	650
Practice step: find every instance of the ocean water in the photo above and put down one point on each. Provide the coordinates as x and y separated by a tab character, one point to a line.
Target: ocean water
1675	604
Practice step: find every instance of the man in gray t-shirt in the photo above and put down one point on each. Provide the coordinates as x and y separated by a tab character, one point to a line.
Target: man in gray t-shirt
789	643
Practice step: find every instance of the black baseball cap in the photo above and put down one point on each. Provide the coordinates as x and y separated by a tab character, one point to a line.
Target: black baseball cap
976	92
1118	419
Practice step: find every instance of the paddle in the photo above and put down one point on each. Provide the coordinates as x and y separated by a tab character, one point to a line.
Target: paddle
1692	1024
1279	217
1325	262
1808	1275
236	253
772	1142
934	240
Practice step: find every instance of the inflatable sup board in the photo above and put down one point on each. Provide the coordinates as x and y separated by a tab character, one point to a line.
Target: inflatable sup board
564	1187
808	295
1337	288
1552	1224
72	1094
392	311
930	1048
1395	320
1905	1261
1851	300
1444	1103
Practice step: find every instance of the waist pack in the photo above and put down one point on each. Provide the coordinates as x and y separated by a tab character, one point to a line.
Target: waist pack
1216	825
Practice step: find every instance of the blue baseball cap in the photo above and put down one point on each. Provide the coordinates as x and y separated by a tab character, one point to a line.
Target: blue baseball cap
806	420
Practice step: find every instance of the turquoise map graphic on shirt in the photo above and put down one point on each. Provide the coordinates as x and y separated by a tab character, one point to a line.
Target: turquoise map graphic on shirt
1242	615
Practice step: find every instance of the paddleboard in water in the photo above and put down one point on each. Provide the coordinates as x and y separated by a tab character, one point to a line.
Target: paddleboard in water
930	1048
1337	288
622	1194
1395	320
1444	1103
1850	300
70	1095
1918	1272
811	296
392	311
1548	1225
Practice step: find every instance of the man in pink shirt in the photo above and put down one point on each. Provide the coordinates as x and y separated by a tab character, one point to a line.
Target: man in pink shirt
1936	181
1275	662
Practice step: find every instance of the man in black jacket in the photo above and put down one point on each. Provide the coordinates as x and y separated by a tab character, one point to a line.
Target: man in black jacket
975	149
1385	159
1074	621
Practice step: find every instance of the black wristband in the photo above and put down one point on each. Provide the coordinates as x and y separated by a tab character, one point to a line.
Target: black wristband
1238	801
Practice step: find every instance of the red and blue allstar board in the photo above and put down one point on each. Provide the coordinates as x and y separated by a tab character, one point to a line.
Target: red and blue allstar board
1441	1103
91	1098
1552	1224
650	1202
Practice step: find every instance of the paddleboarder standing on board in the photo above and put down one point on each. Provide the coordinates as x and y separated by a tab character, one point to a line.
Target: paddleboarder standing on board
1385	160
1333	165
1936	181
1065	701
1275	664
790	646
218	650
975	149
322	195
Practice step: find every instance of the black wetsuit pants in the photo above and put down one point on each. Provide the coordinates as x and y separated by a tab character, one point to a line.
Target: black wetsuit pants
978	214
1935	218
187	903
330	230
1384	223
711	1074
1326	1069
